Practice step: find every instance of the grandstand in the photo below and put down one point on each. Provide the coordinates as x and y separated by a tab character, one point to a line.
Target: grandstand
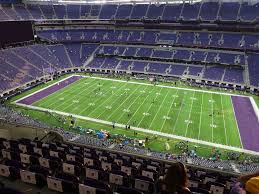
116	91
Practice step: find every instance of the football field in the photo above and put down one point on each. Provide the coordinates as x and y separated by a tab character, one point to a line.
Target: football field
195	114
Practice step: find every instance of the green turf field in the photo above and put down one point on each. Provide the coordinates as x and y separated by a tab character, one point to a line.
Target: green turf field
194	114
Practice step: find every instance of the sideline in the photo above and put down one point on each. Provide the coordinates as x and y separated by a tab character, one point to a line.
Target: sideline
144	130
158	85
256	110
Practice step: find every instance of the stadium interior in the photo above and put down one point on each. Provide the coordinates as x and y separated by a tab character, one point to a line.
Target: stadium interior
102	97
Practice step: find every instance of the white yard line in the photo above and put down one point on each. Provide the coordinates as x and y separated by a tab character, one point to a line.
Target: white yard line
140	105
160	106
224	122
96	107
132	103
163	86
42	104
148	108
77	95
200	116
145	130
179	113
189	117
168	112
212	119
123	102
236	123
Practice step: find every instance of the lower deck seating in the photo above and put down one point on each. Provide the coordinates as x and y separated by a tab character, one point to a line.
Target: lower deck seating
70	168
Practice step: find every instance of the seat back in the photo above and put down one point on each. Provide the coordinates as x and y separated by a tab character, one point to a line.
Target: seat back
44	162
6	154
55	184
84	189
126	169
23	148
88	161
216	189
25	158
68	168
91	173
192	183
148	174
4	170
115	179
141	185
28	177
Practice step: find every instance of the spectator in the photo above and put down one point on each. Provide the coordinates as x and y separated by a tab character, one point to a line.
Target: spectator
248	183
175	179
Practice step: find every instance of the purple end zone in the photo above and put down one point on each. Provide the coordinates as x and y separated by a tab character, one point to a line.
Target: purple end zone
47	91
247	122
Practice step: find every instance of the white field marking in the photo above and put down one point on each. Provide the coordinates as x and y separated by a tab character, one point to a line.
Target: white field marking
123	102
160	106
76	96
188	121
101	112
168	112
224	122
61	94
189	117
163	86
146	113
58	95
179	113
144	130
256	110
212	119
108	107
166	117
126	110
192	98
149	108
75	101
236	123
43	88
200	116
140	106
132	103
100	103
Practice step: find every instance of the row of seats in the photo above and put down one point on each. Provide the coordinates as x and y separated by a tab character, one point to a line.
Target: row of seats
20	65
64	167
213	72
203	11
23	64
208	56
182	38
